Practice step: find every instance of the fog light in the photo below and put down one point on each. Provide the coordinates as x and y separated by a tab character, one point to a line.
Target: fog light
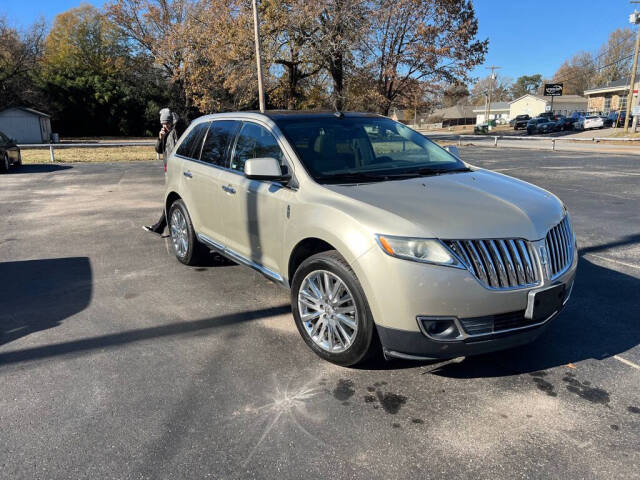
443	329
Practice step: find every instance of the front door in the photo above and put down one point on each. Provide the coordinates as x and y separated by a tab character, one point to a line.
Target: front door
254	212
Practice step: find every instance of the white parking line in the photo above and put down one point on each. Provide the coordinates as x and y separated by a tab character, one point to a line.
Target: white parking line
631	265
627	362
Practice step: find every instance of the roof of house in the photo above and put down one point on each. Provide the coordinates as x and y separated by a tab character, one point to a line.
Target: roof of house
495	106
457	111
609	87
562	98
29	110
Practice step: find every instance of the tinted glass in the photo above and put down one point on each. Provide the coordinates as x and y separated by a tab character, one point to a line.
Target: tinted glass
220	135
3	139
191	145
254	141
375	146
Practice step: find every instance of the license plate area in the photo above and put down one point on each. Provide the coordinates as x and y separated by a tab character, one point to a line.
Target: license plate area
541	304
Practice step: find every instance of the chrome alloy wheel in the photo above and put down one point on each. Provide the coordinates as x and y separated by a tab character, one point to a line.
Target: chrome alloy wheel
328	311
179	233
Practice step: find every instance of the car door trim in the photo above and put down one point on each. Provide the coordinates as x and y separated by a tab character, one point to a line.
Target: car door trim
233	255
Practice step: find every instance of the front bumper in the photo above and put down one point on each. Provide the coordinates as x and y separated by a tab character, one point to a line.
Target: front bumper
400	291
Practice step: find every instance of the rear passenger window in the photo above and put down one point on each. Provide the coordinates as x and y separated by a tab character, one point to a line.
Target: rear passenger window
192	145
254	141
220	135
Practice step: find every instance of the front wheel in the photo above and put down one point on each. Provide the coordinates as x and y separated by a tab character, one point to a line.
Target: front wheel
5	163
331	311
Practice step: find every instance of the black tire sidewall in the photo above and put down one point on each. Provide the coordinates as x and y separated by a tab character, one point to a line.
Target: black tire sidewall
192	249
334	263
5	163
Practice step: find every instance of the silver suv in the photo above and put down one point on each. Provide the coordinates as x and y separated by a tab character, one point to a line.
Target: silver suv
384	238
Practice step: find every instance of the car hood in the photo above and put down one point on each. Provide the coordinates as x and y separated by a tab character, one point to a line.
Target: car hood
477	204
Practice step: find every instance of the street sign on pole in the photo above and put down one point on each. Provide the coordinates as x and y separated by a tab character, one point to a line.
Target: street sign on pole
553	89
635	110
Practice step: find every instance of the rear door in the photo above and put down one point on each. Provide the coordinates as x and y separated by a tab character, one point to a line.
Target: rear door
254	212
207	183
192	175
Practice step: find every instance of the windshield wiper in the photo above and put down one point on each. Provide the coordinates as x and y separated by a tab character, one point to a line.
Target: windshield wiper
366	177
440	171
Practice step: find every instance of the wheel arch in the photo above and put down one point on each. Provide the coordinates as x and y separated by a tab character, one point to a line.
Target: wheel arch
303	250
171	197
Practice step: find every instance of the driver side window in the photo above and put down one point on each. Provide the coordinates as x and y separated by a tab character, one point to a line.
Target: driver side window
254	141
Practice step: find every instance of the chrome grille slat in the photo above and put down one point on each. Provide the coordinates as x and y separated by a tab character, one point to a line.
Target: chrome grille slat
522	279
511	270
528	264
559	244
491	268
499	264
502	270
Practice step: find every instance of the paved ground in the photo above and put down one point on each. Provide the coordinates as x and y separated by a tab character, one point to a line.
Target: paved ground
118	362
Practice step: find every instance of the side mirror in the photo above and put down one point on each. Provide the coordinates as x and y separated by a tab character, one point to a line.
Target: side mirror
453	150
266	168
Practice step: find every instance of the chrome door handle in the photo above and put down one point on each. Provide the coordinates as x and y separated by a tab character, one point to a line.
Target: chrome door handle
187	174
228	189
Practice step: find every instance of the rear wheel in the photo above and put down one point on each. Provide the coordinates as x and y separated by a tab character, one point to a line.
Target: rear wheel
5	163
331	310
185	245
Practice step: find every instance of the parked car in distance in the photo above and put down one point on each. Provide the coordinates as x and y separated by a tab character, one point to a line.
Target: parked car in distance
614	119
481	129
540	125
9	153
521	122
386	240
564	123
588	122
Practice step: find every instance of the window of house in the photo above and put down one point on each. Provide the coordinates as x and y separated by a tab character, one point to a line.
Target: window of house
607	103
622	102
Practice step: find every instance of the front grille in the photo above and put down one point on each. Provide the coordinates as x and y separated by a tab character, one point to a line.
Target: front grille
495	323
559	245
499	263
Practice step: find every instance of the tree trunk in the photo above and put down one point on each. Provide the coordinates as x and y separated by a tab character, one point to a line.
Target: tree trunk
336	67
292	93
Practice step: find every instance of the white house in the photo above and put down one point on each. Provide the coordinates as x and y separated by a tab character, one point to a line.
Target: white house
25	125
499	111
534	105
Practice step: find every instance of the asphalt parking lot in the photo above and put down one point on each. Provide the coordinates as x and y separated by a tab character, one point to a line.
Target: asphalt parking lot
118	362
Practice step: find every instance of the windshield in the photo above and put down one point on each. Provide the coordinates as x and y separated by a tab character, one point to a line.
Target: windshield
335	150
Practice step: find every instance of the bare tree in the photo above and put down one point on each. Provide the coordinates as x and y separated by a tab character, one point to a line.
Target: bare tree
429	40
19	56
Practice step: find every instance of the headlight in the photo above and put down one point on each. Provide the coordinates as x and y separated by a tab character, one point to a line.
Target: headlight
425	250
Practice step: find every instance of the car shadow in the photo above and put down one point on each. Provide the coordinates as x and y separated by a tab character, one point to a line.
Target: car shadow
38	168
599	321
37	295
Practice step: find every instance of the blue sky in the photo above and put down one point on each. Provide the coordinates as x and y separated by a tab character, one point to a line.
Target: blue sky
524	37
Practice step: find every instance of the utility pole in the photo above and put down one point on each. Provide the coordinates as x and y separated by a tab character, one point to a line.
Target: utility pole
492	77
634	18
256	31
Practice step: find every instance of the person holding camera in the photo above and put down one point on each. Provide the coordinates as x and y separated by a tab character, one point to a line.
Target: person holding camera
167	139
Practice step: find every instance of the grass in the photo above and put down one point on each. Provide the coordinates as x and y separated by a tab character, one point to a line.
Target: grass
102	154
625	135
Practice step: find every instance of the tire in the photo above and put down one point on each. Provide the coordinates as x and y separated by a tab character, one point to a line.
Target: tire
19	162
186	247
340	349
5	164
